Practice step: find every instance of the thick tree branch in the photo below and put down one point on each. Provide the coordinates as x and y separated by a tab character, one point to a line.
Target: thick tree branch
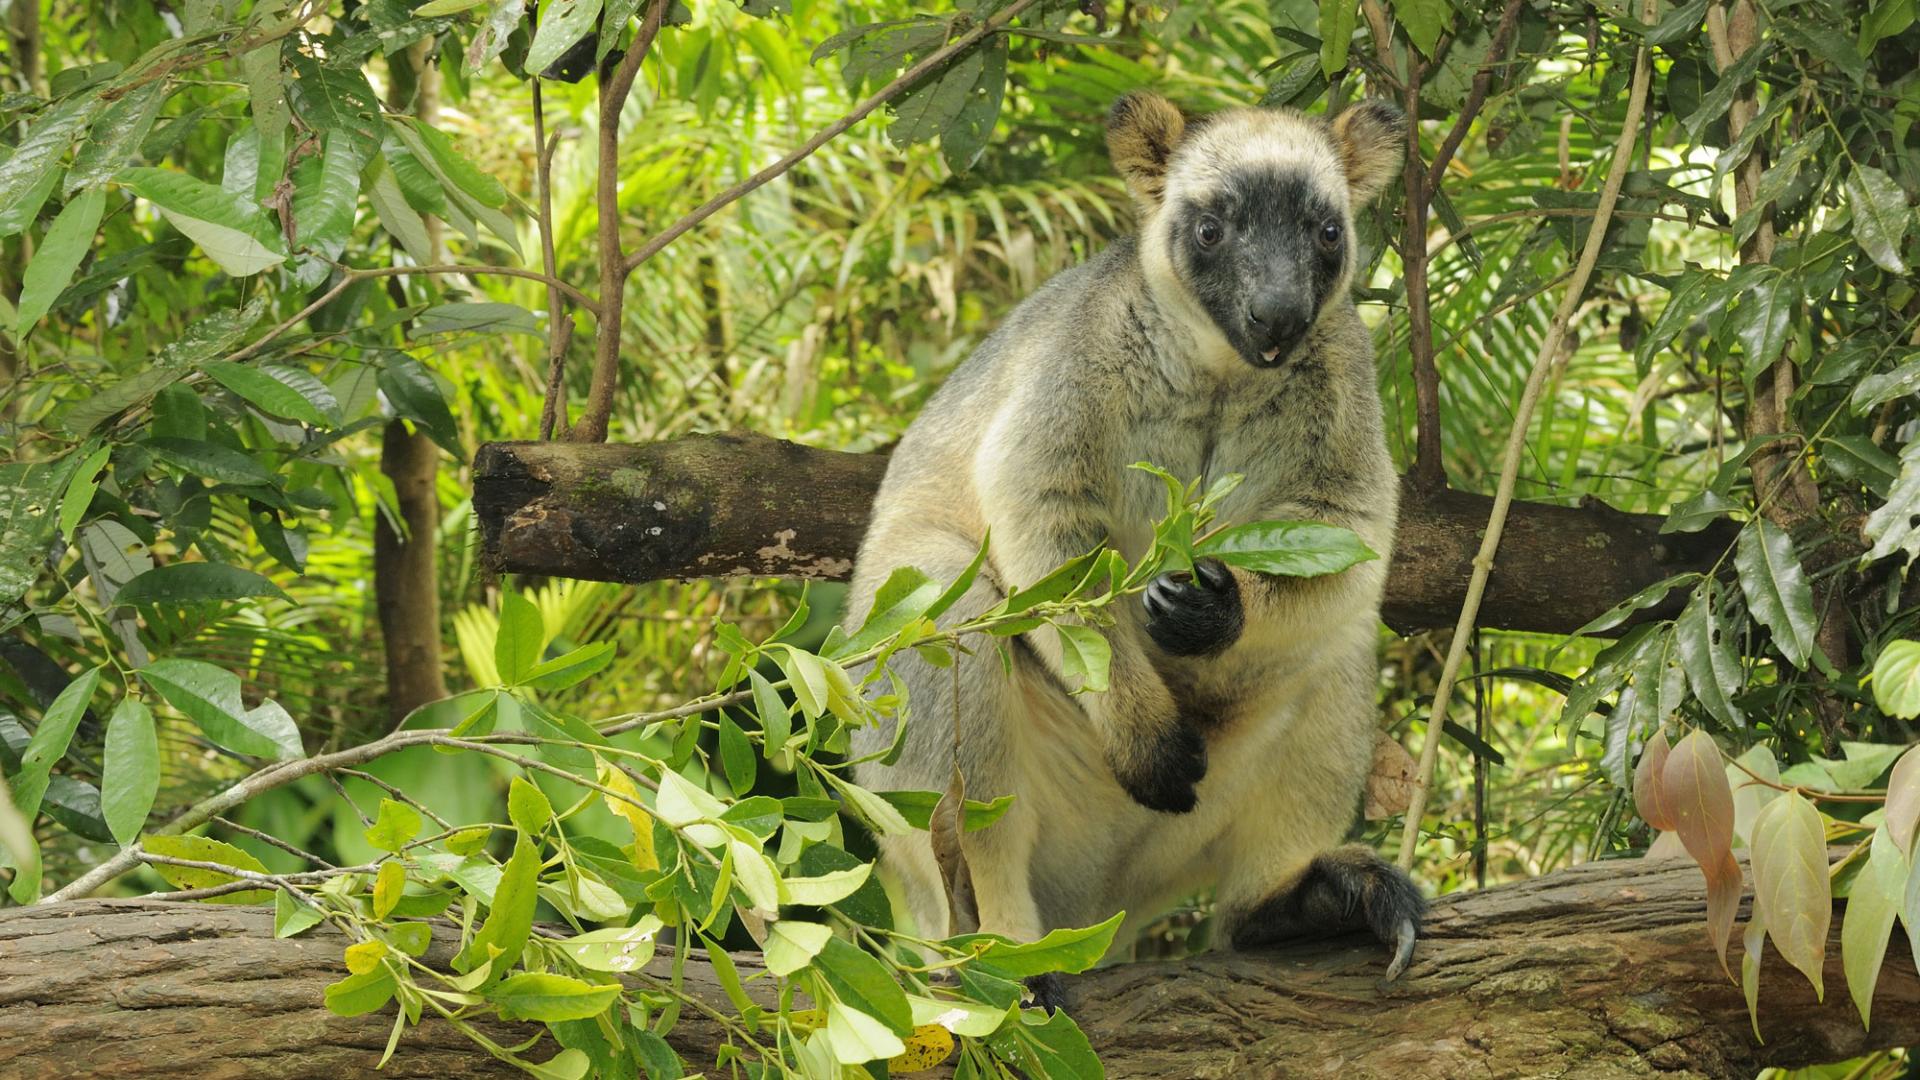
744	504
1782	486
1600	971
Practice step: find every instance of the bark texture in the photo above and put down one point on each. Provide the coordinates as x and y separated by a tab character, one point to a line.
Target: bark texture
745	504
1597	972
406	577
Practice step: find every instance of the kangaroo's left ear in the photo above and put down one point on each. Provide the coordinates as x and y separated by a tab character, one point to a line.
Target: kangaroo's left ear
1370	135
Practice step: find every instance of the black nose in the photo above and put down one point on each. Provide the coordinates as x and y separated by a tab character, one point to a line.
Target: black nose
1277	321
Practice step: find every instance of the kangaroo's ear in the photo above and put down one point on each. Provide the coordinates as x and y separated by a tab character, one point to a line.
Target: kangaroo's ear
1142	130
1371	137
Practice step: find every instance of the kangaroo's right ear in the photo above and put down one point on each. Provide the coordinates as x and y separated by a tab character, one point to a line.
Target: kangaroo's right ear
1143	129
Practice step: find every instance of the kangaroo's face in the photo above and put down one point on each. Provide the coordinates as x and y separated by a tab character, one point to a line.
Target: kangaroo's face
1250	211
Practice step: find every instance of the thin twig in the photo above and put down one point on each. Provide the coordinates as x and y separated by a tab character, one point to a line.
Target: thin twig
274	841
553	408
1476	95
615	86
397	795
1543	364
993	24
352	275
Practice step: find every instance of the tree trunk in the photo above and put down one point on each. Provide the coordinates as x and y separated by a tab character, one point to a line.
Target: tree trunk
745	504
406	578
1596	972
406	571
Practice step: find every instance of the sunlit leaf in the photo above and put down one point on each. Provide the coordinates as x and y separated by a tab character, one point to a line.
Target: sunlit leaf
1872	906
1790	884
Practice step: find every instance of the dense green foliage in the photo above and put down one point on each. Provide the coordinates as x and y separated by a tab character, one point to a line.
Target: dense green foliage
214	217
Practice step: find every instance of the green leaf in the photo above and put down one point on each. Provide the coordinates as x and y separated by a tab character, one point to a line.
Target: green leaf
116	137
357	995
527	806
1715	102
411	391
1776	588
464	175
274	391
215	462
1699	294
619	949
80	490
67	241
822	889
569	669
28	491
1872	905
388	883
522	637
1706	652
1880	216
1790	885
130	775
563	23
1884	20
906	595
1290	548
1052	1046
1760	319
509	920
737	756
1882	387
1423	20
776	723
396	826
933	106
210	697
792	944
337	99
50	740
917	807
196	583
1085	655
862	982
1894	526
29	173
233	231
547	997
204	849
396	216
1337	20
857	1037
1068	950
293	917
965	137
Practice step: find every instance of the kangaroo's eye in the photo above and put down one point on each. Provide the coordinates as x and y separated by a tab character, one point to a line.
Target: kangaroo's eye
1330	235
1208	232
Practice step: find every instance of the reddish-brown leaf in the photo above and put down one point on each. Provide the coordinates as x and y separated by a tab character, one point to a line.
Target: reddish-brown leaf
1903	801
1693	784
1649	799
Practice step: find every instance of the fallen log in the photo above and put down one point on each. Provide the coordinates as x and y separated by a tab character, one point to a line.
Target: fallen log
1596	972
741	504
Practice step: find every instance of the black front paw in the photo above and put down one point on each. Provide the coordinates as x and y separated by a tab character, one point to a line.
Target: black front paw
1163	775
1195	614
1047	992
1348	888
